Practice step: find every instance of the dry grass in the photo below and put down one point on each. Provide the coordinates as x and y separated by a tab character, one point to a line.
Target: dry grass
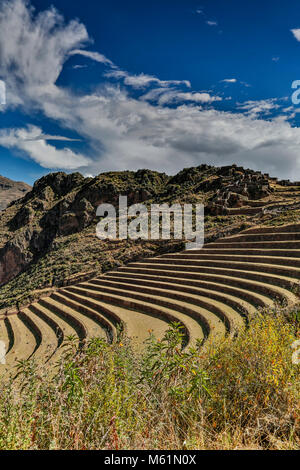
241	394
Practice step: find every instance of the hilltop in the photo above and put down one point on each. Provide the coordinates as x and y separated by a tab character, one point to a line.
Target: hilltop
47	238
11	190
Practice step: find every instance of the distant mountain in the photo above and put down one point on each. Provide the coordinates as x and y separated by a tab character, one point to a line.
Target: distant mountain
11	190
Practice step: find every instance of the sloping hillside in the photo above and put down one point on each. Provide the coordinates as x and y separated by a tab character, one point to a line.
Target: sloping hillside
47	238
11	190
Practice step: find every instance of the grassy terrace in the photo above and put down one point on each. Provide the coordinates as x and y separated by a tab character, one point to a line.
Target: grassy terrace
239	394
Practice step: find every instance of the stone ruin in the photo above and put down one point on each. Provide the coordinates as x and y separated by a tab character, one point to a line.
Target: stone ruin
234	187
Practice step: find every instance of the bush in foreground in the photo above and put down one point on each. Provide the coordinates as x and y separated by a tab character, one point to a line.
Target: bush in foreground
242	393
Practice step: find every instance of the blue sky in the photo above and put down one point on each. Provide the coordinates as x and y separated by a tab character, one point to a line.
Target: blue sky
97	86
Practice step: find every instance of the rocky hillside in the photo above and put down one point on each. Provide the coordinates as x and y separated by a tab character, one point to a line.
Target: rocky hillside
11	190
48	239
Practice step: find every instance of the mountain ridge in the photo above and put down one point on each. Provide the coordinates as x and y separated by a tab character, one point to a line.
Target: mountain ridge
11	190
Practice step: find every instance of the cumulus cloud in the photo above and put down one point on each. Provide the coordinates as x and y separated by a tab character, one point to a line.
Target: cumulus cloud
136	134
123	131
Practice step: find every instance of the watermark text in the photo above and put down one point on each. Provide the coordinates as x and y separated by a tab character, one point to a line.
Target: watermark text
156	222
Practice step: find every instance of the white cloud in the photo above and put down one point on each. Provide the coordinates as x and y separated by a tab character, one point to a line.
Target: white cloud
125	132
291	109
212	23
77	66
275	59
255	108
135	134
58	138
229	80
142	80
296	33
168	96
2	92
92	55
34	48
31	141
235	80
176	96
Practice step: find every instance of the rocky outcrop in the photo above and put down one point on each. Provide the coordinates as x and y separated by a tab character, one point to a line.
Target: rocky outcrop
61	204
15	256
234	187
23	217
